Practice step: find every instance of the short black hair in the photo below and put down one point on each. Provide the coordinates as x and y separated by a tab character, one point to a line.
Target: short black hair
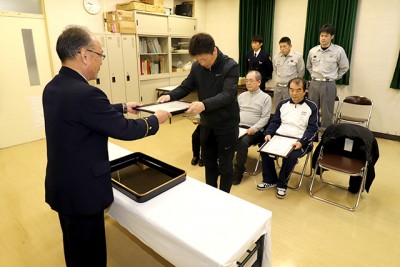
71	41
257	38
328	28
298	80
201	43
285	40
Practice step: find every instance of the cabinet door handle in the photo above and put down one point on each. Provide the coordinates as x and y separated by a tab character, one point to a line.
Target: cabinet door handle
98	81
113	79
128	78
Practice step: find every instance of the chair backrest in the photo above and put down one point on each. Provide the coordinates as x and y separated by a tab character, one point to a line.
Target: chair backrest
358	100
356	110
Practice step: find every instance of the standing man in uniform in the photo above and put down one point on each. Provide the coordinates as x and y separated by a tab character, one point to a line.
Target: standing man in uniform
78	121
259	60
215	77
287	65
326	63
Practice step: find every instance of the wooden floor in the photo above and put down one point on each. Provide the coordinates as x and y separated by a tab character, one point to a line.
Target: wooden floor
305	232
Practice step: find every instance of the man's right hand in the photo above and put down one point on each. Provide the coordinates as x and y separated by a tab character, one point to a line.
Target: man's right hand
164	98
267	138
162	115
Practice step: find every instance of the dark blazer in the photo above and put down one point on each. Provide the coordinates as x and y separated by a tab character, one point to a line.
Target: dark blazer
261	63
78	121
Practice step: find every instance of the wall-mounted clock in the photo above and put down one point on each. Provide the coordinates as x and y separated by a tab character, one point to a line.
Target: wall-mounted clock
92	6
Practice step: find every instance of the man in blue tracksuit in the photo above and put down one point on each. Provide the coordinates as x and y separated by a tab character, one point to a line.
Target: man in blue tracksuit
297	117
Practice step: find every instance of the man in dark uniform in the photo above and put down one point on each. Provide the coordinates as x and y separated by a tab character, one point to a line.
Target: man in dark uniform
78	121
259	60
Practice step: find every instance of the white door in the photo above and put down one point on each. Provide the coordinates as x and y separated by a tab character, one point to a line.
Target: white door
25	69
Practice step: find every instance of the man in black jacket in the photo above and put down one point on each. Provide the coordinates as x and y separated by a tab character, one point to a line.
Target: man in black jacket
78	121
215	76
259	60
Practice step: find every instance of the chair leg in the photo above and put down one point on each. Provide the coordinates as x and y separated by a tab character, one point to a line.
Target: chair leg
302	173
333	202
255	171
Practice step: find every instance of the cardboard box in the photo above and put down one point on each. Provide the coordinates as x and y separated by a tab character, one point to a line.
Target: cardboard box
119	15
155	8
122	27
153	2
131	6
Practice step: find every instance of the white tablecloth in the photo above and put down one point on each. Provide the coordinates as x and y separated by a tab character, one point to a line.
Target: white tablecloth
193	224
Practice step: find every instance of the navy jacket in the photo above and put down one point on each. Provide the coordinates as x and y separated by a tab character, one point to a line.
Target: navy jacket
78	121
261	63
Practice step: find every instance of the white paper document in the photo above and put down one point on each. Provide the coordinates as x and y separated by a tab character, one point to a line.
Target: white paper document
242	132
279	145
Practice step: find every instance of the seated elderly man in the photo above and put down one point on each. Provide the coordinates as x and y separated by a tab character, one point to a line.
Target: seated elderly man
296	116
255	109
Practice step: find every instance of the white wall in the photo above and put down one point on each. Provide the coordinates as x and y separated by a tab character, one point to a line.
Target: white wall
375	51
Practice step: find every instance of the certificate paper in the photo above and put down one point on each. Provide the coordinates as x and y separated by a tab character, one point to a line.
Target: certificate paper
279	145
242	132
174	107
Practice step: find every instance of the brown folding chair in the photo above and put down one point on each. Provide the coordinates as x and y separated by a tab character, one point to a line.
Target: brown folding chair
345	150
356	110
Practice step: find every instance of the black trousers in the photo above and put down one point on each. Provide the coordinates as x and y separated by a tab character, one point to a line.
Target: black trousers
196	142
217	149
84	240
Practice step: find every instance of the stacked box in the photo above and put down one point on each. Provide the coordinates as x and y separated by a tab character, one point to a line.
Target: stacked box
120	21
122	27
154	2
155	8
132	5
119	15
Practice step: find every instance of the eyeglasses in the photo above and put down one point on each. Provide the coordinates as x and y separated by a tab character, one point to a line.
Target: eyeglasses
100	55
251	81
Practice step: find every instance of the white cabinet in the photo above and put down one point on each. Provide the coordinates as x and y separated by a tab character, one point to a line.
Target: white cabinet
130	68
116	67
156	56
153	56
183	26
148	93
118	75
103	77
180	58
151	23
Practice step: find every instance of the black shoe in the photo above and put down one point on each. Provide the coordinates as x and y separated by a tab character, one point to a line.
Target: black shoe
237	177
201	162
195	160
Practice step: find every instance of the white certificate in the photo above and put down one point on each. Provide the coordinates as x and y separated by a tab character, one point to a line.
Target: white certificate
242	132
279	145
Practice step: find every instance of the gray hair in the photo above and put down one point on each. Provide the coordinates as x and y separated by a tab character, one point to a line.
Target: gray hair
71	41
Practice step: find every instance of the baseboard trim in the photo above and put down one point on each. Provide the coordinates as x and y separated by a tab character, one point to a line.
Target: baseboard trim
387	136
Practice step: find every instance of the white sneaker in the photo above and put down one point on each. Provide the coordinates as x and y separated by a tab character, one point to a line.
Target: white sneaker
265	186
280	192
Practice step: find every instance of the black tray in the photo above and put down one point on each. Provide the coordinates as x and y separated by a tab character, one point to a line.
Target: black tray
142	177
